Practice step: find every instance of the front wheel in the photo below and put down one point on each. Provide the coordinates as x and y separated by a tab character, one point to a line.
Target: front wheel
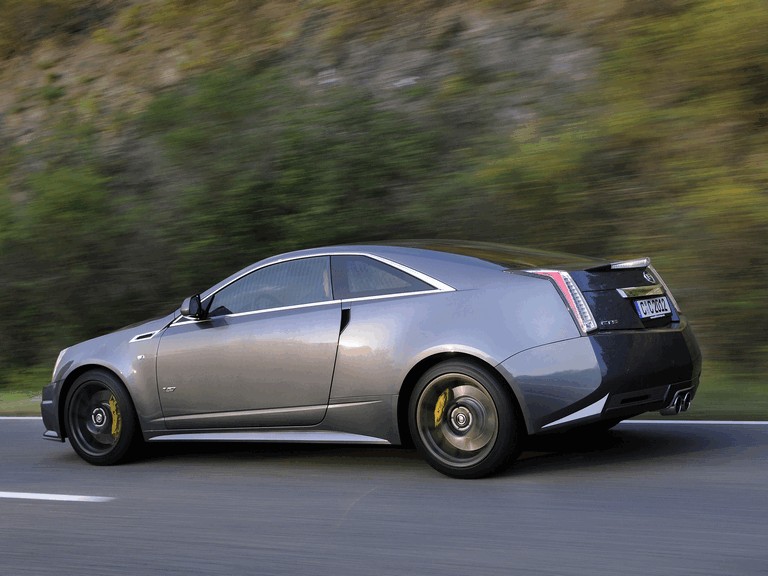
100	418
463	421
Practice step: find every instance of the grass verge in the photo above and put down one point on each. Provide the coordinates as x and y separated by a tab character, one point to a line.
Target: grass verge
21	390
727	394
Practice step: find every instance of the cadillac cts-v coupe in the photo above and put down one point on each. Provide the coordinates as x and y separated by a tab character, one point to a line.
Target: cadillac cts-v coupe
463	349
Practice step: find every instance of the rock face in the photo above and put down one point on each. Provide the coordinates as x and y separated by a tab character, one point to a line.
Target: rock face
490	68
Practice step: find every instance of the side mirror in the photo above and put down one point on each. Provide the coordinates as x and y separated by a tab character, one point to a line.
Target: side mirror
192	307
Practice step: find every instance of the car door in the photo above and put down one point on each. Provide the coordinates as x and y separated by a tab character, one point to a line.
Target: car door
264	356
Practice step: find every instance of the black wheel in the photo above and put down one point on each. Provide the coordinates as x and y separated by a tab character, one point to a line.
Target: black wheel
100	418
463	421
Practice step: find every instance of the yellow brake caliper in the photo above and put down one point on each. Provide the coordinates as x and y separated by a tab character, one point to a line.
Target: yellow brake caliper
442	400
116	420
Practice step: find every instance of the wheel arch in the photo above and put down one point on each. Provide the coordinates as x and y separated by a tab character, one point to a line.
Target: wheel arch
425	364
70	379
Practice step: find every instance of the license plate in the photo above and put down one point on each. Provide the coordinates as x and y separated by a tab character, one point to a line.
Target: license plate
653	307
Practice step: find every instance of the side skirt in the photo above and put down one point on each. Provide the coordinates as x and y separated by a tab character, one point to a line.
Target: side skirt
308	436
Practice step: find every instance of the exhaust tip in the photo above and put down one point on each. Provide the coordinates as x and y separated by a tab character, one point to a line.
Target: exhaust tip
674	407
680	403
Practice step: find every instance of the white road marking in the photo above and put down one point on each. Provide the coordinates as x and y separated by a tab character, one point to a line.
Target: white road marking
21	417
707	422
54	497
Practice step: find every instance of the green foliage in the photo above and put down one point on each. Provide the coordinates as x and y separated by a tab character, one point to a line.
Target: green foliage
69	271
59	244
665	157
701	74
270	169
51	93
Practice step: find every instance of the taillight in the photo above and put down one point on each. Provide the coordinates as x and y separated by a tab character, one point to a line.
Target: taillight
660	280
572	296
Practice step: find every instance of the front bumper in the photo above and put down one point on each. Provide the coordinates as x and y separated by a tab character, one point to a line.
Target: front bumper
607	375
50	413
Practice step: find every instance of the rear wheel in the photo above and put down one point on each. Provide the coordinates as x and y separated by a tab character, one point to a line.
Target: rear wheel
463	421
100	418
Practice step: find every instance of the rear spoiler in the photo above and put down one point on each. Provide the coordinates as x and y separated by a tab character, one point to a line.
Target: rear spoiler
622	265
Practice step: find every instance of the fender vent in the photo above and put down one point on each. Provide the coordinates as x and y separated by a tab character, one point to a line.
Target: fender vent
145	336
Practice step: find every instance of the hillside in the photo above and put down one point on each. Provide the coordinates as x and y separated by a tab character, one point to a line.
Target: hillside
149	147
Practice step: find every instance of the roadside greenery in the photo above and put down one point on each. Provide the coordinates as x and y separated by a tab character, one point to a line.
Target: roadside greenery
271	169
665	156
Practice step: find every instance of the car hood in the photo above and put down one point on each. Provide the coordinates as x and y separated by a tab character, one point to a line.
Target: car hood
107	346
149	323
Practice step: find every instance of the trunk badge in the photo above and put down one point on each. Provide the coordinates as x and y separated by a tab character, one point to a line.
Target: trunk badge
649	277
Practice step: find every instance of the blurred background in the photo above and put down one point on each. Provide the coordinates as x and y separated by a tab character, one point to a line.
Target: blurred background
148	148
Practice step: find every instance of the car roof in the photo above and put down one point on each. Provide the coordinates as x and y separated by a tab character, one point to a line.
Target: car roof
460	264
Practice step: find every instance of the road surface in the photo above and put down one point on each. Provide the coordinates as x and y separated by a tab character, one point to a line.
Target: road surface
647	498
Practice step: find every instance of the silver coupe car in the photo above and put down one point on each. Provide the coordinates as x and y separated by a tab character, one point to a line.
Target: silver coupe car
463	349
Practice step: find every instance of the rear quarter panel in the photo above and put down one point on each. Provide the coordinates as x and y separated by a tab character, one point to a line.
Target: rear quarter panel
387	337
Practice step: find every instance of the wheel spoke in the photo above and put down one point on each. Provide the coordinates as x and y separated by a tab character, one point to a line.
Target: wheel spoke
91	418
99	418
457	419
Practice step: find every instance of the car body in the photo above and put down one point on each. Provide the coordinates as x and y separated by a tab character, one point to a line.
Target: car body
464	348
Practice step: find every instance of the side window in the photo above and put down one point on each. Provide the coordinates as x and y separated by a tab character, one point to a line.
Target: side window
360	277
289	283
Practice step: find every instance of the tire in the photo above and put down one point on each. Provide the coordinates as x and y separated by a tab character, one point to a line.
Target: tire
463	421
100	419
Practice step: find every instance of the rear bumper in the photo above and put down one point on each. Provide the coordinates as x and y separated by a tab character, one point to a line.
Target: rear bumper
643	372
49	412
608	375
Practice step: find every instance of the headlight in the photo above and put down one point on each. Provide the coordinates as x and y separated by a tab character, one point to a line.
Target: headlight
58	361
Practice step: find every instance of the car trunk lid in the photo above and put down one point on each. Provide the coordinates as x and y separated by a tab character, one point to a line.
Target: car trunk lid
625	295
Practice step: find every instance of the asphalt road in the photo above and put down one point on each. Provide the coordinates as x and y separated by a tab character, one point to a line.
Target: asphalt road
667	499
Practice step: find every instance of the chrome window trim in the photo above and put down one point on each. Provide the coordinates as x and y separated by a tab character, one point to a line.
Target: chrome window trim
436	284
395	295
252	270
442	286
181	320
188	320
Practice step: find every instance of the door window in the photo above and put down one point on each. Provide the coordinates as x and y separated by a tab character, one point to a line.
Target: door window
291	283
